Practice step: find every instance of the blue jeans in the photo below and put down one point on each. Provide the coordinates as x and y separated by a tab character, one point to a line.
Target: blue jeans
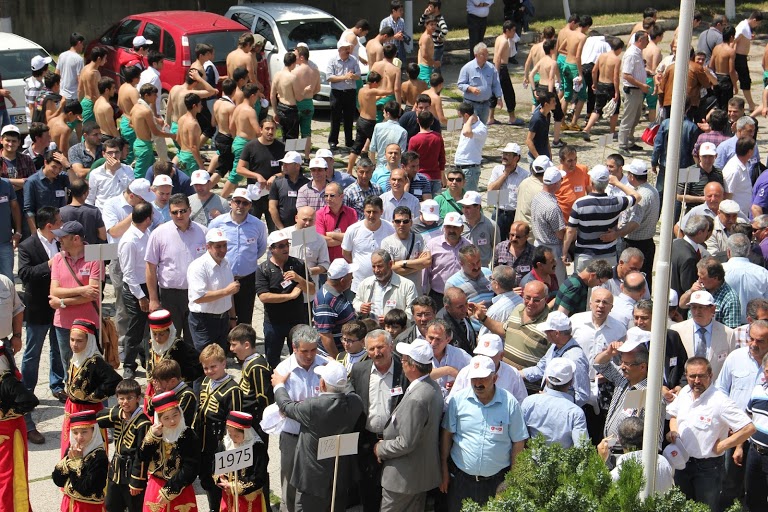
701	480
274	337
482	109
437	187
65	352
756	479
5	117
30	362
472	177
438	56
6	259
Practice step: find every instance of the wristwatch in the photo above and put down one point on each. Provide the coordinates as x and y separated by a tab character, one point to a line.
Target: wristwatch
233	318
405	263
62	304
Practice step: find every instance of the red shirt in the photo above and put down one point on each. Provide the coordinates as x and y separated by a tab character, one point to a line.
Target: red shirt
431	150
327	222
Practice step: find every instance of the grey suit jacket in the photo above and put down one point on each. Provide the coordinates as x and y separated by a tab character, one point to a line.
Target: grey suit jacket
723	343
410	450
328	414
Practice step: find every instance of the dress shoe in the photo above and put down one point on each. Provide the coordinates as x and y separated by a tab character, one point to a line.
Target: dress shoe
61	396
35	437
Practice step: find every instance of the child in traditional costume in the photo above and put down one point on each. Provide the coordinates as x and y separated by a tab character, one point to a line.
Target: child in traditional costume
244	485
166	376
82	473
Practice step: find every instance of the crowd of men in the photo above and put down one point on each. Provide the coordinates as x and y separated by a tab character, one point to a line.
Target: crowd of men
460	334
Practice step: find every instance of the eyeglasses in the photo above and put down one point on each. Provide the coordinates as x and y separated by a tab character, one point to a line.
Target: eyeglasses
330	196
535	300
402	221
344	339
697	376
282	246
240	203
634	363
179	212
456	179
602	302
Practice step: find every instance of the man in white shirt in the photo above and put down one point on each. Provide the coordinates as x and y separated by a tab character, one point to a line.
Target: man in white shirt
384	290
364	237
448	360
108	180
130	251
633	75
701	418
315	252
468	155
69	65
633	289
211	287
151	75
738	184
507	177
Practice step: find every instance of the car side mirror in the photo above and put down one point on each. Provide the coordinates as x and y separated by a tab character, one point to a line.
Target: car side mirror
269	47
106	40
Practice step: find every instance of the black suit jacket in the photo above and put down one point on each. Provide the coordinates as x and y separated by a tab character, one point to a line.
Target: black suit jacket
683	266
468	342
36	277
674	374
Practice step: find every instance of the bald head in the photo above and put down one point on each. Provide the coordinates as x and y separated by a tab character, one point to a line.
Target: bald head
535	298
600	303
634	285
305	217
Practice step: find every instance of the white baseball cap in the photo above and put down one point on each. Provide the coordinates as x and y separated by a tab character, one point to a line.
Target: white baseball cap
342	43
141	41
673	298
272	421
277	236
200	177
420	350
430	210
242	194
541	164
10	128
708	148
553	175
333	373
324	153
560	370
556	321
635	338
453	219
676	455
481	367
215	235
163	179
141	187
729	206
340	268
292	157
39	62
600	173
471	198
702	298
317	162
638	167
489	344
511	148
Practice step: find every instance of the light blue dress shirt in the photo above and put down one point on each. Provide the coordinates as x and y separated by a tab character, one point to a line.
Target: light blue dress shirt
485	78
246	242
748	280
554	415
739	376
572	351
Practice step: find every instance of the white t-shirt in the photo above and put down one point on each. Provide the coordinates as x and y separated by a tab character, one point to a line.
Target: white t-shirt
738	183
361	242
513	45
69	66
743	29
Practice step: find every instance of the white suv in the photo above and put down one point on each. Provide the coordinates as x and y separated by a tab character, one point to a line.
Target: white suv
16	55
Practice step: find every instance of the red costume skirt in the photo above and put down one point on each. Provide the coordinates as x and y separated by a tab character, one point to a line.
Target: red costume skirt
253	502
14	485
71	505
71	407
185	501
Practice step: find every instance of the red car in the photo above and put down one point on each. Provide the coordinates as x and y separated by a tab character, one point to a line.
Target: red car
175	34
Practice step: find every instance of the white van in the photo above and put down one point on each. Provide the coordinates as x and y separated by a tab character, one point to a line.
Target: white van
16	55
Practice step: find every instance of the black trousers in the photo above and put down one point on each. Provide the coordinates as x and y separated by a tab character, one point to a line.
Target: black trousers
476	26
369	485
506	88
587	75
245	298
288	117
649	249
261	207
505	220
207	481
463	486
137	324
343	109
176	301
118	498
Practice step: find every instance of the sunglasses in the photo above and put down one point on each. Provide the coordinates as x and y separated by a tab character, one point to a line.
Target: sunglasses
179	212
282	246
240	203
455	179
402	221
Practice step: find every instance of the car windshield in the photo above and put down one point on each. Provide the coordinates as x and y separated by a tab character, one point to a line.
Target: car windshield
319	34
223	42
14	64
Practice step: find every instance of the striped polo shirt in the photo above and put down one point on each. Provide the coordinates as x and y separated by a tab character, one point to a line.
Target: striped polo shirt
592	216
758	408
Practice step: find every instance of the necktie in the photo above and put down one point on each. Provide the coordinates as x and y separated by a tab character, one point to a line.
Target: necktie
463	328
698	254
701	343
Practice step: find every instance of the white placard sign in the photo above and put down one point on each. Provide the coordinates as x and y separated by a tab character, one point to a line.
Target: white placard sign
454	124
689	175
306	235
497	197
326	446
232	460
299	145
100	252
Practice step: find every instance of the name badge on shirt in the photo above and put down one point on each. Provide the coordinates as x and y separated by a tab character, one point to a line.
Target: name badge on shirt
200	250
482	241
721	356
496	430
578	189
418	192
249	241
317	389
293	193
85	272
285	284
391	303
673	361
397	391
61	193
524	268
630	412
703	422
337	230
3	199
274	163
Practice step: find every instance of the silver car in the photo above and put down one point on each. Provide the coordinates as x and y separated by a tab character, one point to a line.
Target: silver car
285	25
16	55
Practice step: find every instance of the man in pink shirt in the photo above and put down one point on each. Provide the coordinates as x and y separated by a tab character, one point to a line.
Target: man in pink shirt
75	285
333	219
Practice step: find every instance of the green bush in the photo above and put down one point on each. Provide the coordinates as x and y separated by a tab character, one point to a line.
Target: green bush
550	478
